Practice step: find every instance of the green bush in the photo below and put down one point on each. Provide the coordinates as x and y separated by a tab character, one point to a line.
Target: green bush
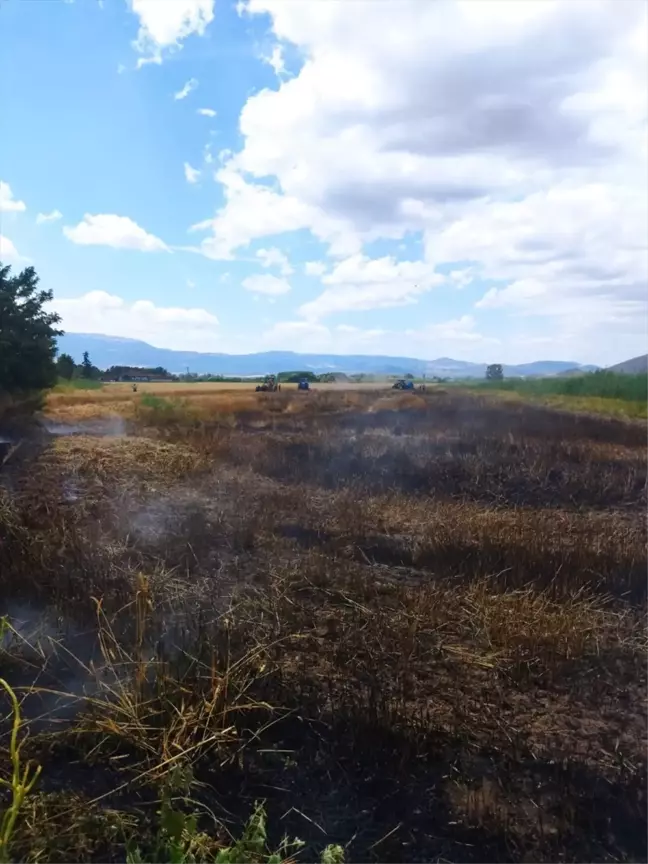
179	841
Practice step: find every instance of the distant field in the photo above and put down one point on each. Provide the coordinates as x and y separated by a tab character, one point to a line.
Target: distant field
181	388
204	400
71	404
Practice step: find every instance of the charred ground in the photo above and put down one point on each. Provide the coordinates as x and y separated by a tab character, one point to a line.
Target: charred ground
413	625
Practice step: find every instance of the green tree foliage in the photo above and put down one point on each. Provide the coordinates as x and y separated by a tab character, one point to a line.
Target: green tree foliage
296	377
87	369
137	372
494	372
27	333
65	366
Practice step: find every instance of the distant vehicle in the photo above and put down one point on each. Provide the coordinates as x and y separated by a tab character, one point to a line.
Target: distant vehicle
269	385
402	384
303	385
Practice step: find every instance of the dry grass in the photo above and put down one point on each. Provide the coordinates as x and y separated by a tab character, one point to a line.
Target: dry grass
413	623
110	458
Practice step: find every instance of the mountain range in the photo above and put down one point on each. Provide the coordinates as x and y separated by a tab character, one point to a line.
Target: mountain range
106	351
634	366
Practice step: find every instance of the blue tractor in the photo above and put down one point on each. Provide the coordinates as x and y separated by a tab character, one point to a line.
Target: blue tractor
403	385
303	384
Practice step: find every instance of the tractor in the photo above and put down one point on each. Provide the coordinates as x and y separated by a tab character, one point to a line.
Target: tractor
303	385
269	385
402	384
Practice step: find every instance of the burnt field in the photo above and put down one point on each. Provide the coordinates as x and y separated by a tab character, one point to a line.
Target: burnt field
412	625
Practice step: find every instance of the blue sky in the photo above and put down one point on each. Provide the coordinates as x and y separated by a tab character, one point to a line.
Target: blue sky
462	178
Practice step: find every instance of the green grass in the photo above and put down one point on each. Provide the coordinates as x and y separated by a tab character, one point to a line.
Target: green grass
603	385
64	385
597	393
23	776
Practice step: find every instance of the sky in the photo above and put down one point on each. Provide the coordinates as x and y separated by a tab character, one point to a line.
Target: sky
427	178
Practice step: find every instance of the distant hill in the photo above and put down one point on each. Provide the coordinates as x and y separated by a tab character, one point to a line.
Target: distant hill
108	351
575	372
632	367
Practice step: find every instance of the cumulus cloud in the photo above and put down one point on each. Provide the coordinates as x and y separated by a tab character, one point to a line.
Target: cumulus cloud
164	24
253	210
265	283
455	331
8	204
54	216
359	283
192	175
573	250
275	258
167	326
120	232
511	136
275	60
191	84
298	335
8	252
459	337
314	268
206	112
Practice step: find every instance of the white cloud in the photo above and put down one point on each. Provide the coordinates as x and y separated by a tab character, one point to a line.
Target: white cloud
192	175
314	268
8	252
458	337
171	327
120	232
456	331
54	216
576	252
297	336
360	283
206	112
276	60
512	137
265	283
191	84
275	258
164	24
253	210
8	204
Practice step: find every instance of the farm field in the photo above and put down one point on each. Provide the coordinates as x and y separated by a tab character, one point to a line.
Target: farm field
412	624
606	393
119	399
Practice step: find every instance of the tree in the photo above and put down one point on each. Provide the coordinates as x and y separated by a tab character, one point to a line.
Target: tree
87	369
296	377
494	372
65	366
27	333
